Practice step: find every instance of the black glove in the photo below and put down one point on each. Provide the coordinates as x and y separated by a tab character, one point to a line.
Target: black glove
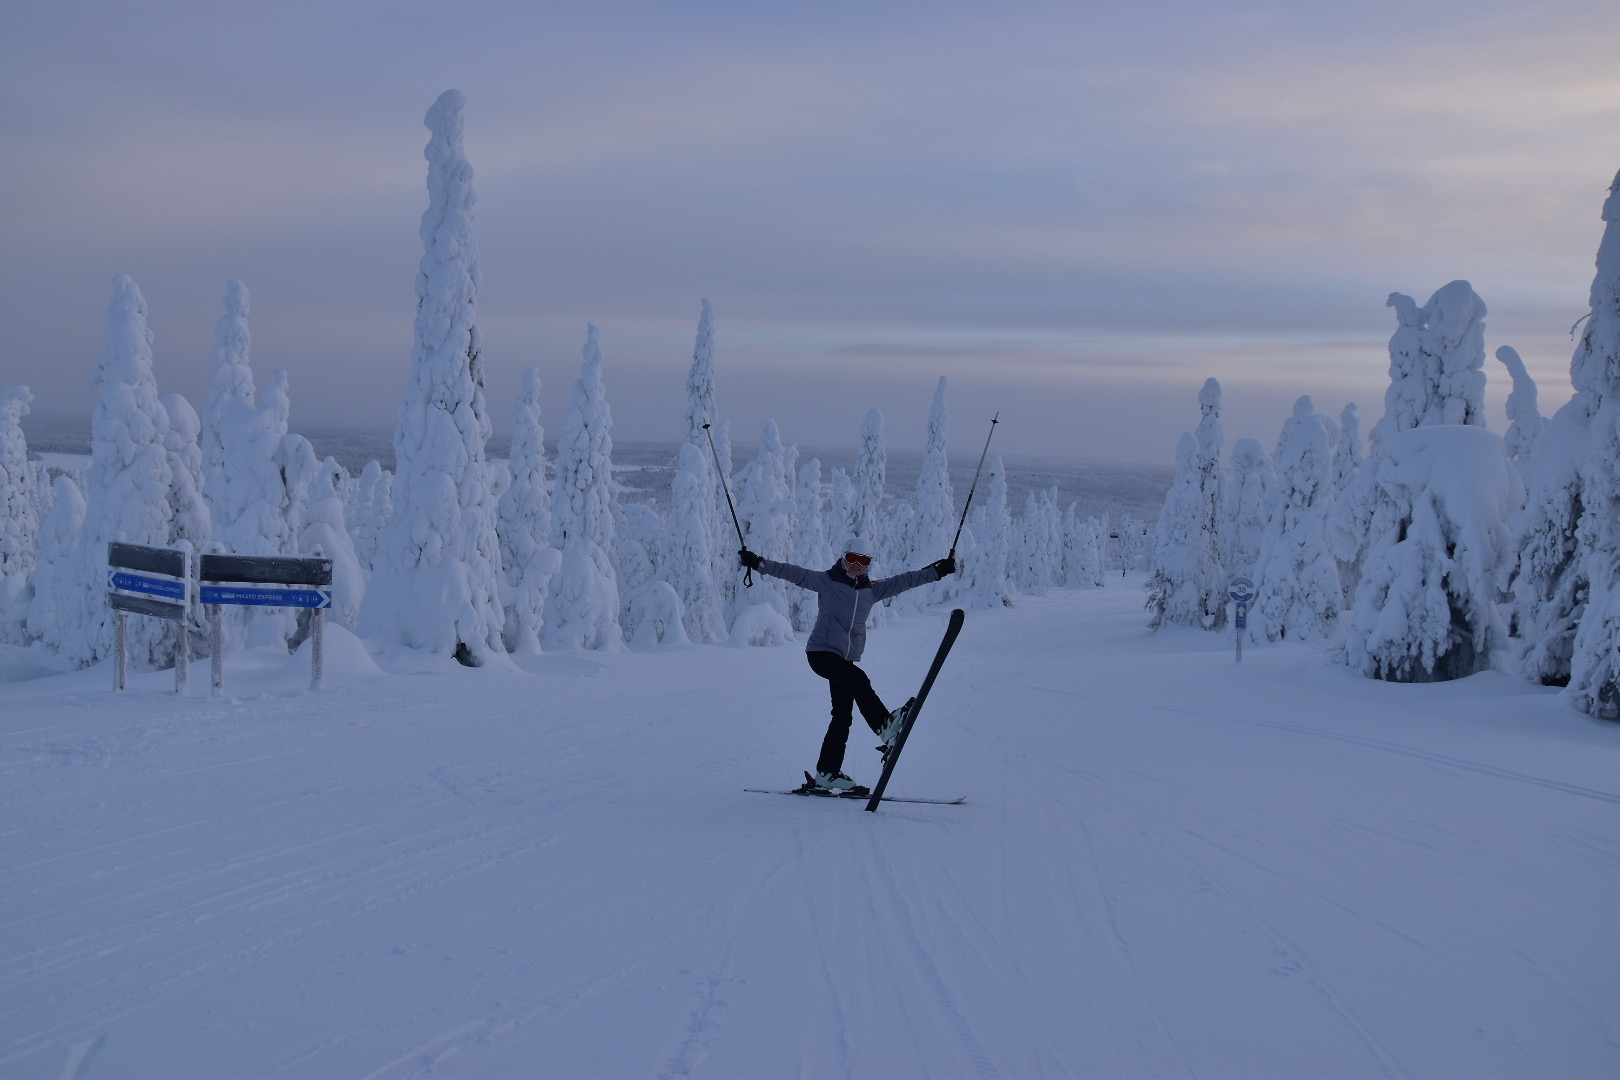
945	567
748	559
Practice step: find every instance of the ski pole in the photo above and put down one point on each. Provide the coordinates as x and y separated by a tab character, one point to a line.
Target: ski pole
994	420
748	573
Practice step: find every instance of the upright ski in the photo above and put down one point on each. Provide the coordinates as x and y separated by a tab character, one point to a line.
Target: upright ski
953	628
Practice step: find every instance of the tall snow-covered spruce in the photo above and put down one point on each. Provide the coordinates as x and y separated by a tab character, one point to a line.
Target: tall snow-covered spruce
436	584
1188	583
19	517
127	486
1594	680
1298	580
524	524
696	549
582	607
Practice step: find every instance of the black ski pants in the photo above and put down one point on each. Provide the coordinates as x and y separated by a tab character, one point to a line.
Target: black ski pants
850	688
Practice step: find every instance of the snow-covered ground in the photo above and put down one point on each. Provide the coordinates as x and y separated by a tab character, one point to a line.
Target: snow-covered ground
1169	865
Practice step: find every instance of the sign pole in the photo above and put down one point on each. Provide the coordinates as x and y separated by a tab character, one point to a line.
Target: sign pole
216	617
1241	590
119	669
317	651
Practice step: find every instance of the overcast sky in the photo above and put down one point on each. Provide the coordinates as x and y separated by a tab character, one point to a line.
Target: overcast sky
1075	211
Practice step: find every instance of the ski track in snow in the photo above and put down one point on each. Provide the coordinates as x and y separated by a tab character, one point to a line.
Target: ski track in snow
528	875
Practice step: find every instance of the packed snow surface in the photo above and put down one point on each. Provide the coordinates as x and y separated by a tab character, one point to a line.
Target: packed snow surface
1169	864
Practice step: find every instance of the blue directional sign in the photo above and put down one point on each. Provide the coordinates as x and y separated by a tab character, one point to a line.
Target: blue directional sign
167	588
1241	622
266	597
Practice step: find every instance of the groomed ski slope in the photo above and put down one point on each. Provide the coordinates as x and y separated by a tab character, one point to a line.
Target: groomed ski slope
1170	865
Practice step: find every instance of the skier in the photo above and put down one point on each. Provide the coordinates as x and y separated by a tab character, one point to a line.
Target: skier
844	597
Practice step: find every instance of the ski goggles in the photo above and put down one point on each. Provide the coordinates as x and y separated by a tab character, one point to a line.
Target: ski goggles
857	559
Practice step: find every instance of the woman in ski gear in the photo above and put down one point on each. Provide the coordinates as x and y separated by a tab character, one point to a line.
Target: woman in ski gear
844	598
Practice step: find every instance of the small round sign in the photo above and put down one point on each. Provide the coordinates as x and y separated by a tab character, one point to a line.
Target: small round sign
1241	590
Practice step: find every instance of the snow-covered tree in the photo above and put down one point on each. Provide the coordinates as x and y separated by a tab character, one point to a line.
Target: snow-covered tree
1251	501
523	523
127	485
55	592
1525	422
230	400
1296	577
325	530
706	591
1188	583
635	563
1084	544
840	512
1439	499
765	507
1347	455
870	481
935	522
582	608
19	517
1436	361
983	557
191	521
436	585
1594	682
370	506
686	548
1037	546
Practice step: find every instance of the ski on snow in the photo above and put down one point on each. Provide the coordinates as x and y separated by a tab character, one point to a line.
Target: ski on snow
811	789
876	796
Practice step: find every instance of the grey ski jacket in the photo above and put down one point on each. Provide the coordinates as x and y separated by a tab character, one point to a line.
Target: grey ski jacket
843	602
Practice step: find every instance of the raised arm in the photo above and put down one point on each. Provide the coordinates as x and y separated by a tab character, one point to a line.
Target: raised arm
893	586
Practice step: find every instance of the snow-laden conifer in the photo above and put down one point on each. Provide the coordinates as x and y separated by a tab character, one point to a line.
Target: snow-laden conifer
870	481
1525	422
1251	502
1438	498
1084	546
637	526
19	516
686	547
1188	583
1296	576
191	520
370	506
840	512
983	559
706	590
810	547
1347	455
55	591
230	402
1032	565
325	531
765	507
127	485
1436	361
582	607
935	521
523	522
1594	682
436	585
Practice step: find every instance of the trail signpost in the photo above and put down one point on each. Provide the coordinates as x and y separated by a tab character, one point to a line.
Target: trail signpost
1241	590
155	581
267	581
